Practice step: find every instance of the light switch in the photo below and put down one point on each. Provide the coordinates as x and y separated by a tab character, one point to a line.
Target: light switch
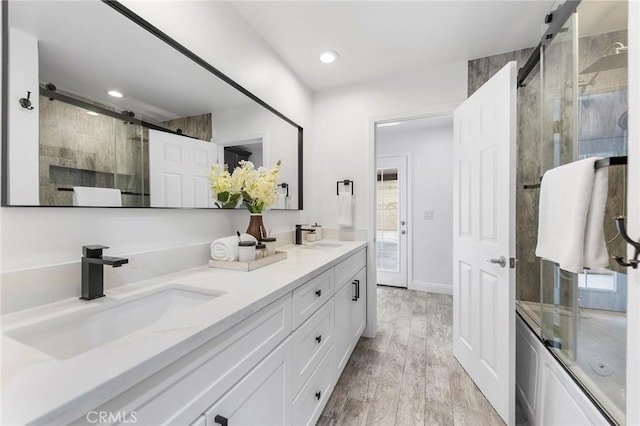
428	214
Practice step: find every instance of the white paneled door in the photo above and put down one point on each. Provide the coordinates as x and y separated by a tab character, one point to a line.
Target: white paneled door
391	220
179	170
484	239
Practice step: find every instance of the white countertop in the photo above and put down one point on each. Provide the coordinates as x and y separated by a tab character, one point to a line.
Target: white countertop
39	388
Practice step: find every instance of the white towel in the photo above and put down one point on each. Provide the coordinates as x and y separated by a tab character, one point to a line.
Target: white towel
571	214
227	248
281	201
96	197
345	209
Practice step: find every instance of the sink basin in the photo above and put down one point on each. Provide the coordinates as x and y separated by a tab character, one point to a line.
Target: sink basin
71	334
322	246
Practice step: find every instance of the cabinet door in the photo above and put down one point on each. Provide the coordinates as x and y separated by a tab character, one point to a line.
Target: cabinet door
262	397
342	328
359	305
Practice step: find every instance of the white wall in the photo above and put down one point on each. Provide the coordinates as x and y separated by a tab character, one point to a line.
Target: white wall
343	148
431	167
33	237
23	66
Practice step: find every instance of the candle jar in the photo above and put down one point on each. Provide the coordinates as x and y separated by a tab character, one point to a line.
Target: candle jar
261	251
270	242
246	251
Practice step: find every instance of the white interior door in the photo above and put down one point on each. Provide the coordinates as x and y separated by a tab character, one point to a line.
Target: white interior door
484	239
179	170
391	220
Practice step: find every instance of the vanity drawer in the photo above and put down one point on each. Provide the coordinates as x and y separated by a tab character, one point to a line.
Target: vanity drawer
346	269
309	404
310	296
310	343
183	390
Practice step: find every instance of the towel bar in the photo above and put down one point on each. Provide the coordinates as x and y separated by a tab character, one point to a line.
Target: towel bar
605	162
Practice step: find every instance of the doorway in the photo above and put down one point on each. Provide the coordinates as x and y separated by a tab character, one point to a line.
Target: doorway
391	220
421	148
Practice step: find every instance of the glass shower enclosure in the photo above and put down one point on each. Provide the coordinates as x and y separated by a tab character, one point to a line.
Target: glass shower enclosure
581	318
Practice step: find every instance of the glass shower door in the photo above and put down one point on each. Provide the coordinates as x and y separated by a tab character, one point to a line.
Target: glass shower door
559	146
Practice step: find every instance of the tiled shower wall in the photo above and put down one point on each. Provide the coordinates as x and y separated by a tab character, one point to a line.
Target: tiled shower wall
528	169
78	149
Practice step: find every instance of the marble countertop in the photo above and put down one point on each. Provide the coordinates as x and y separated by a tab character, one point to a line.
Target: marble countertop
40	388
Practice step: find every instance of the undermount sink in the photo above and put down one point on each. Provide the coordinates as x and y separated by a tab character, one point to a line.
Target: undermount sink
68	335
322	246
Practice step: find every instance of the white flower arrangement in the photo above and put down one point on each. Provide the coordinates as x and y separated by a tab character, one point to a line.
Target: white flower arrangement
256	187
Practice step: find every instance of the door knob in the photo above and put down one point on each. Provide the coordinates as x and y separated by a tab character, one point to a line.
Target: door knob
499	261
403	232
402	222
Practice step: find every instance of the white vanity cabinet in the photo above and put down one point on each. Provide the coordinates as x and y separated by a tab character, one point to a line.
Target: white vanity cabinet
262	397
350	307
277	367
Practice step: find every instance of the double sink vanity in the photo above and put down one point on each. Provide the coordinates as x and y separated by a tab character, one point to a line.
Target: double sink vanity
204	346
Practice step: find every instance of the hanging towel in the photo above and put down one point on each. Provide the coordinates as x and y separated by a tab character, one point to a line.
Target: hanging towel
571	214
96	197
345	209
227	248
281	201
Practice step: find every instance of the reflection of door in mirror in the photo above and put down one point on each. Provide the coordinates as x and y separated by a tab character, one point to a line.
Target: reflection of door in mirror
179	170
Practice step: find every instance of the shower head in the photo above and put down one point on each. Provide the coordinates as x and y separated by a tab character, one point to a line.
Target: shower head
609	61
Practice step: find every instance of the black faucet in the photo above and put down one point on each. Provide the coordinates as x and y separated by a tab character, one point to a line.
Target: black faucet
299	230
92	270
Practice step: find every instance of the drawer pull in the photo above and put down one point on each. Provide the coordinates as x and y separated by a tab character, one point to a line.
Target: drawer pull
318	293
318	395
357	284
319	338
221	420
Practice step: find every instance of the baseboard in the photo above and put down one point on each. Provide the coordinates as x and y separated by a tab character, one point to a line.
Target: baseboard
431	287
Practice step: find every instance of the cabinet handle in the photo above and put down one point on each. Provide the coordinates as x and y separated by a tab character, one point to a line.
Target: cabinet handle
357	284
221	420
318	395
319	338
318	293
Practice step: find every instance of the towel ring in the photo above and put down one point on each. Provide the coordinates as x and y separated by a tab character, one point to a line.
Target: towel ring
284	186
345	182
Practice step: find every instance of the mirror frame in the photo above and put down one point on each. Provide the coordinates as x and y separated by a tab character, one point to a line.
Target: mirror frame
144	24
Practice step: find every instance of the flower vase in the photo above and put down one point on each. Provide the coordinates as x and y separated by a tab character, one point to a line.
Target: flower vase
256	227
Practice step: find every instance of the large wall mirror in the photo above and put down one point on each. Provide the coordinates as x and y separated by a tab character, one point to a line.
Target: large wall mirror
102	109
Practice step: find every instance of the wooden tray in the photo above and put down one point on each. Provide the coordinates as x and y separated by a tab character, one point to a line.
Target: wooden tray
248	266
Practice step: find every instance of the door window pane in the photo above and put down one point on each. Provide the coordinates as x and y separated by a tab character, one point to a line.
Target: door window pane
387	226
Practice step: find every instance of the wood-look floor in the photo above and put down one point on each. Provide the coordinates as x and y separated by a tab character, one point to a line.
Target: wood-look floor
407	374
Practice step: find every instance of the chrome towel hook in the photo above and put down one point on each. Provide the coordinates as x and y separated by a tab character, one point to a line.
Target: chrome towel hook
26	102
635	244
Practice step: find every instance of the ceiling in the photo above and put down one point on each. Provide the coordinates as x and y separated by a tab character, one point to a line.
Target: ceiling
381	38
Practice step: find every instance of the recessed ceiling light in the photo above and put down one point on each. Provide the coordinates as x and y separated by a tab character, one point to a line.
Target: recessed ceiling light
92	113
115	94
328	57
391	123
